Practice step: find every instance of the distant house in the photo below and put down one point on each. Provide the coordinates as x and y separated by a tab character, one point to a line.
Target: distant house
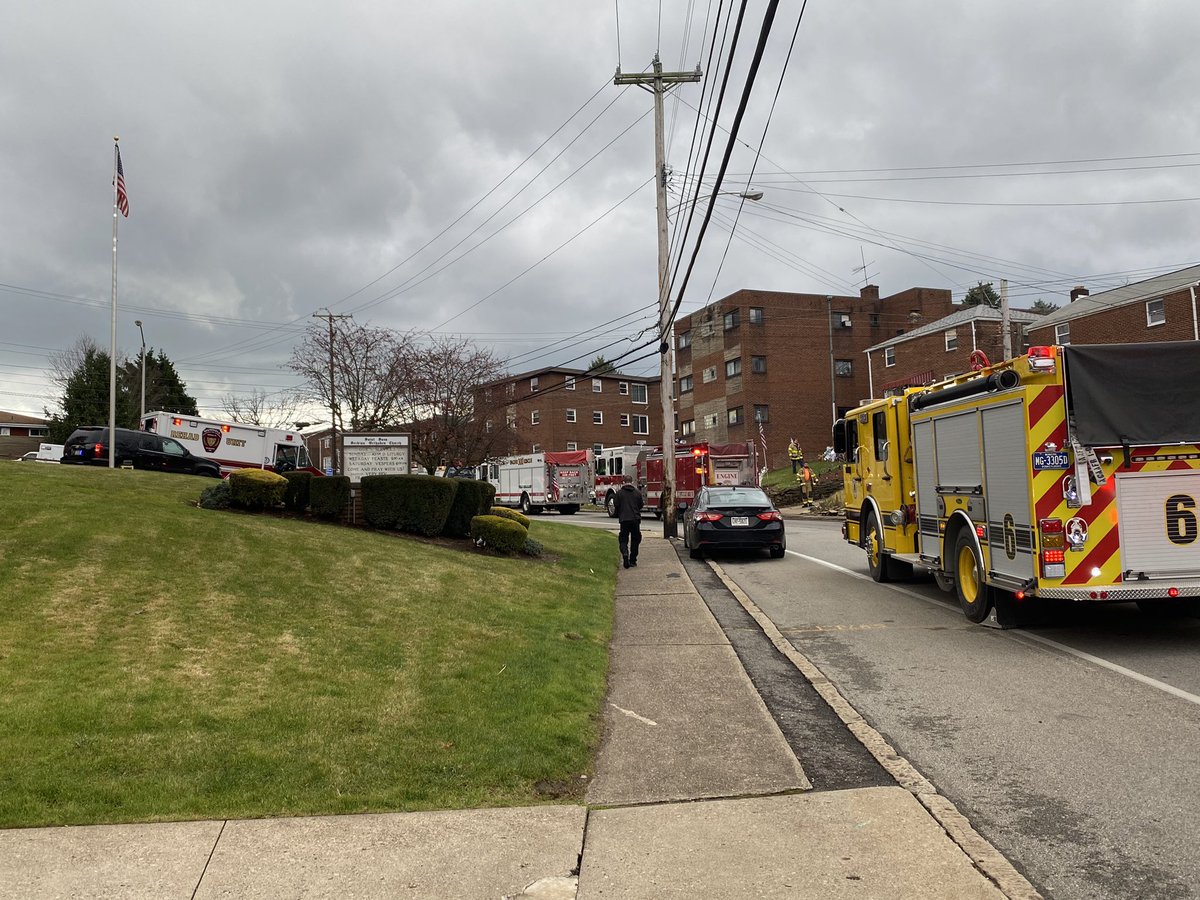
944	347
20	433
1162	308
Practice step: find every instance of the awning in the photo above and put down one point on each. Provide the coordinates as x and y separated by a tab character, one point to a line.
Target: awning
916	379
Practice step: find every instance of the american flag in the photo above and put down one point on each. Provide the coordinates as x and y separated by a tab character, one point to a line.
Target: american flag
122	197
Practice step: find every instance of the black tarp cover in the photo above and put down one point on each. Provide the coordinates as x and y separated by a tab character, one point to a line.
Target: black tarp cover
1134	393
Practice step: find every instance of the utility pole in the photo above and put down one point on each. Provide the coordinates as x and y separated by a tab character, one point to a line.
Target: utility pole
658	83
337	466
1005	319
832	365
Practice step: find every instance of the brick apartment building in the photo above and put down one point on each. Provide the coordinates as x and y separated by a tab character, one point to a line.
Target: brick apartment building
1162	308
765	356
20	433
943	348
562	409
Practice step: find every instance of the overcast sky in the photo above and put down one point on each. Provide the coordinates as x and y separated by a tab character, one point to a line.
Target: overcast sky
286	157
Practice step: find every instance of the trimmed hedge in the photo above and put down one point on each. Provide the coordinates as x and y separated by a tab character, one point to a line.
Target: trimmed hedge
295	497
383	499
328	496
256	488
499	533
473	498
215	497
505	513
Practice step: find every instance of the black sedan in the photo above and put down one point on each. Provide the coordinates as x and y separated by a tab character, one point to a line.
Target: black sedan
733	517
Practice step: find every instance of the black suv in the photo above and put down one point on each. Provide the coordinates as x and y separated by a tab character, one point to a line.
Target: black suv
89	445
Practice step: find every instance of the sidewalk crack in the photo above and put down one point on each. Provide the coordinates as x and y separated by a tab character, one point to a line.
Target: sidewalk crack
204	871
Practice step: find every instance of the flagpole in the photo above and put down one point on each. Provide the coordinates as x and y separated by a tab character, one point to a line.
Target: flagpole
112	356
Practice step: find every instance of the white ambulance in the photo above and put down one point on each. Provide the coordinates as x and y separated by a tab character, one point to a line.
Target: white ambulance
232	445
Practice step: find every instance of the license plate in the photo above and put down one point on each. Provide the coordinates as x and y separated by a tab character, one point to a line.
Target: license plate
739	521
79	452
1044	459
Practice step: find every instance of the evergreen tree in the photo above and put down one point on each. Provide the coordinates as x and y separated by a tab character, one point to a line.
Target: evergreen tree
982	294
601	366
1043	307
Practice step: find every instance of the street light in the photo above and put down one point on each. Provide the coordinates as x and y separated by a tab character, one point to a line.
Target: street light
138	323
743	195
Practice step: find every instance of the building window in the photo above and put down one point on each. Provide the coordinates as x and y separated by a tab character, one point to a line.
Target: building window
487	426
597	417
685	383
685	340
641	424
1062	333
535	417
874	320
688	428
735	416
570	384
511	387
1156	313
733	367
732	319
624	420
623	388
326	443
710	421
710	374
640	394
758	365
596	448
510	419
756	315
762	414
571	445
597	385
843	368
38	432
889	356
571	415
533	383
951	339
536	448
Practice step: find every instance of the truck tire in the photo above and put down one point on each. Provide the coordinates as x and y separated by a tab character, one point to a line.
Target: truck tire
610	504
525	506
877	560
974	595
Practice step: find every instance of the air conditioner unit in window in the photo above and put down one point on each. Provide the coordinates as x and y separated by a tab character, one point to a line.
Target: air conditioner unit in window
843	321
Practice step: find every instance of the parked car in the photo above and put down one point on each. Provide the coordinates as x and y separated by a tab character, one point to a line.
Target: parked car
31	456
141	449
741	517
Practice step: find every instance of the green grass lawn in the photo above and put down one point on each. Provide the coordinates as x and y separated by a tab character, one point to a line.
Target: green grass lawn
159	661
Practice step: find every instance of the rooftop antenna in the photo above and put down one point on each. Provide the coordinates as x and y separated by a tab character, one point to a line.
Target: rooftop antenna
863	268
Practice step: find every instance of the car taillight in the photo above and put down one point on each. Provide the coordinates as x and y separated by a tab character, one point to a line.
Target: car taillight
1053	548
98	450
709	517
771	515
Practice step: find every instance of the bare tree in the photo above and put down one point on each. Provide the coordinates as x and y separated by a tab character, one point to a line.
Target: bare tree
446	411
371	368
65	363
278	410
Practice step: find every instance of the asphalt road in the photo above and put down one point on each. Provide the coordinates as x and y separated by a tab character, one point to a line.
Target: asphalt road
1071	743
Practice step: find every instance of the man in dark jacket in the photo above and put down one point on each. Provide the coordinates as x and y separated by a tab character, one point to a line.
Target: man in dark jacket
628	503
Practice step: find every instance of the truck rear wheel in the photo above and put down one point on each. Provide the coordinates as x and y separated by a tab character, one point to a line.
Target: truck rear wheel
974	594
610	504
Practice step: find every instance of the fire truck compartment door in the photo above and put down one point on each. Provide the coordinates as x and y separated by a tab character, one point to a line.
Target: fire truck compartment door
957	440
1157	514
1006	482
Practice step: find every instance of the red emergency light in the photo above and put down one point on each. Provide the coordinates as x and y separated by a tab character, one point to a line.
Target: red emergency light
177	421
1042	358
225	428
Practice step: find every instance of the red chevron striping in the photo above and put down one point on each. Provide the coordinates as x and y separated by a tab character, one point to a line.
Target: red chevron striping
1043	403
1096	558
1049	501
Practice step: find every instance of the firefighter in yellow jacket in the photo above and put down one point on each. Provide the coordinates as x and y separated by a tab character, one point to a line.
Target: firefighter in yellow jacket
796	455
806	483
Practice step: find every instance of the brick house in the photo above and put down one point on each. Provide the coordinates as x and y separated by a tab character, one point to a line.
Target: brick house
20	433
564	409
943	348
1162	308
766	356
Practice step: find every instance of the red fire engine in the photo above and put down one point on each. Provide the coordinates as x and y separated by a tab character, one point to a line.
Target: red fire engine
696	466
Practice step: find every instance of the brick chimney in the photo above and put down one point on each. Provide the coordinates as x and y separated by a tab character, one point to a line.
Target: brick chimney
1078	291
869	292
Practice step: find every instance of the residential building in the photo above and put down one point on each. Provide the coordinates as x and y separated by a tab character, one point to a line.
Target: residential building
1162	308
944	348
565	409
786	360
20	433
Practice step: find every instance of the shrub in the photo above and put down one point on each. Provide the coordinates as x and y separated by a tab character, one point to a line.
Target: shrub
425	503
256	488
533	547
295	497
215	497
328	496
383	499
473	498
499	533
505	513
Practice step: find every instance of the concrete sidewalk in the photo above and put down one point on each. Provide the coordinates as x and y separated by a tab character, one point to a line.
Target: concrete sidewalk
696	793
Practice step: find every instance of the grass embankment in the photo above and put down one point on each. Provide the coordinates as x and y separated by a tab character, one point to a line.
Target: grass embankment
159	661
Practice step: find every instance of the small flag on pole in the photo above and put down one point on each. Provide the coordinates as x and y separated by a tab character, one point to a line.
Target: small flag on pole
122	197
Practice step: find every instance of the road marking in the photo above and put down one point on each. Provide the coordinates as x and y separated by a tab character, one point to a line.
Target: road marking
1024	636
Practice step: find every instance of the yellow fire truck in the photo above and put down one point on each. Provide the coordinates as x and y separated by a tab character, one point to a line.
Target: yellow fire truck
1071	472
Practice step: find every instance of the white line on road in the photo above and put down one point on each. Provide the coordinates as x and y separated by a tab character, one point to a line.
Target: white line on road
1024	635
632	714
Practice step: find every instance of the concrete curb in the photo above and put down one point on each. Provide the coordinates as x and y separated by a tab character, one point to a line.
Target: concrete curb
986	858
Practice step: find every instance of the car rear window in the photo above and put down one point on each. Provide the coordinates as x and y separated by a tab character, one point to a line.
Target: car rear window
739	498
